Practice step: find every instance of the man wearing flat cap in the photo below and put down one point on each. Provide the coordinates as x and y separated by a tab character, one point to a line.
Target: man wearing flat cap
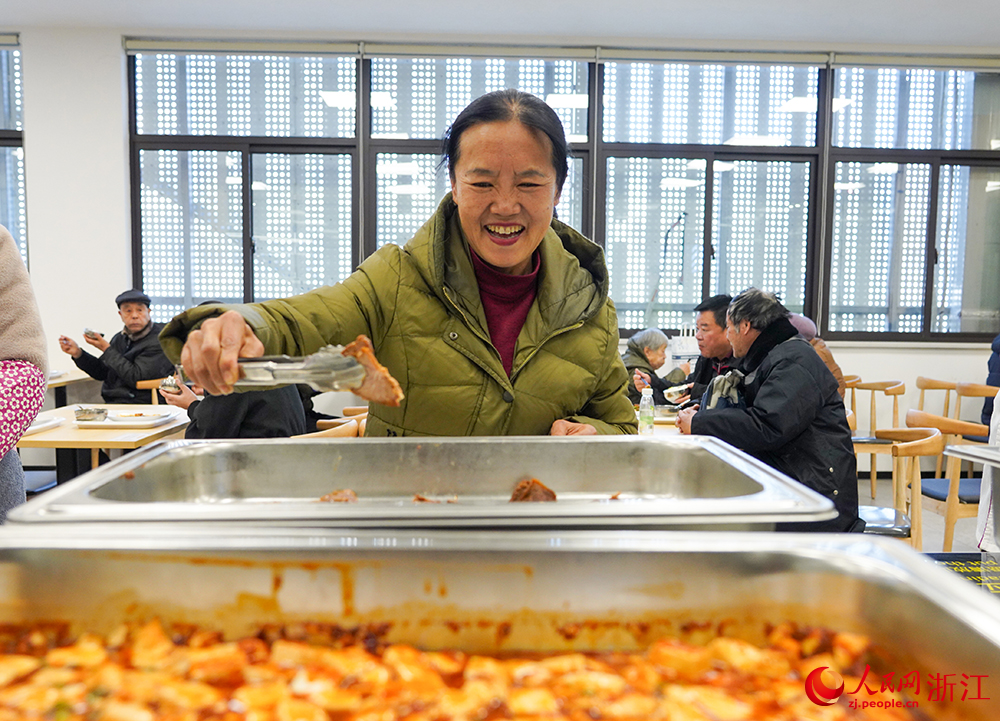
132	355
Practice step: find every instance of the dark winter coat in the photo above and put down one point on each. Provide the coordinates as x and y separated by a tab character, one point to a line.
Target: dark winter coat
125	363
274	413
993	379
705	370
794	421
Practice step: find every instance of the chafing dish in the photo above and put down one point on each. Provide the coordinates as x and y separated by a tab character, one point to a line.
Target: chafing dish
551	591
616	482
989	455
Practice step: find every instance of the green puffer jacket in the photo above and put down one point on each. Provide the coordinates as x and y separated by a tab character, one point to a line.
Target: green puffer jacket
420	306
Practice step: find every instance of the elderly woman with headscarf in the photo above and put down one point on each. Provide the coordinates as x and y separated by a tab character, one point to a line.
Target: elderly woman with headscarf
807	329
645	353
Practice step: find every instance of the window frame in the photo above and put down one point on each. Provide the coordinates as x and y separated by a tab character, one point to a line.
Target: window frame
822	158
14	138
247	146
935	159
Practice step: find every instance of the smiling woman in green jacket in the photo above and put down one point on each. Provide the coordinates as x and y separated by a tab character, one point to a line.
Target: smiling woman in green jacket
494	318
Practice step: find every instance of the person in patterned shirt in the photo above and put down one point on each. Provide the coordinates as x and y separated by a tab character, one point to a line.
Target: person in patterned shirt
23	367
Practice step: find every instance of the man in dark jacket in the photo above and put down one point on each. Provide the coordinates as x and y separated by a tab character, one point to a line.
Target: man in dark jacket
992	379
131	356
794	418
716	354
271	413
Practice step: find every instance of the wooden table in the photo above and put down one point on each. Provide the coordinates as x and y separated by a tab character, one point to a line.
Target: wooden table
58	383
67	435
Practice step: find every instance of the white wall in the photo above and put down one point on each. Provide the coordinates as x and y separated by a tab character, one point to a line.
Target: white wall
77	179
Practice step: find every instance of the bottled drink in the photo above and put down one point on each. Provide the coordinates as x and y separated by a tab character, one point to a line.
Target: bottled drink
646	412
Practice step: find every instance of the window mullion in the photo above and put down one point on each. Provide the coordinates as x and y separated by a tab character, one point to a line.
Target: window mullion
930	248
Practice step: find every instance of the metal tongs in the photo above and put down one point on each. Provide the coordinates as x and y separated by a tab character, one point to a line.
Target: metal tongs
324	370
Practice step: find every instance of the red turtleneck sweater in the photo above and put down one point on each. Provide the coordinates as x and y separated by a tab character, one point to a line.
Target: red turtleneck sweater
506	300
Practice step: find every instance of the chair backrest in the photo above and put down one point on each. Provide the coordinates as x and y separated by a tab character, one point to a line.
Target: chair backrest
893	389
348	429
972	390
852	420
930	384
912	442
851	383
948	426
153	385
324	423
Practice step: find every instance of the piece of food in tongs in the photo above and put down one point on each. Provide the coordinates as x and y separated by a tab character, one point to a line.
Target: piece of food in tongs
532	490
379	385
331	368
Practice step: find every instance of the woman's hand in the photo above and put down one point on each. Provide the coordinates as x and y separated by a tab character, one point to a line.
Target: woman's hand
97	341
684	420
211	353
640	379
68	345
569	428
183	399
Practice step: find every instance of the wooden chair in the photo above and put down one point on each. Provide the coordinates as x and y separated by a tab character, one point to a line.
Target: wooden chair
347	429
871	444
909	445
972	390
355	410
950	496
930	384
325	423
153	385
851	384
881	520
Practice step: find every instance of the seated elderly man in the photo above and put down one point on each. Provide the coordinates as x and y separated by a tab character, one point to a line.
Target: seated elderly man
132	355
794	419
645	353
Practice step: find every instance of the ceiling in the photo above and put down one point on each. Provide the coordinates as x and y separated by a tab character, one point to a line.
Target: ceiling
959	25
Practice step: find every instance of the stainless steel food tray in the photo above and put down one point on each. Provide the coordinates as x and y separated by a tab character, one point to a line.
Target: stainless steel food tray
688	482
534	590
990	455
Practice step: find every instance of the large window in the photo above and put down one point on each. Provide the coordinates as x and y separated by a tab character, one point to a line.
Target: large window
12	207
865	197
730	211
915	229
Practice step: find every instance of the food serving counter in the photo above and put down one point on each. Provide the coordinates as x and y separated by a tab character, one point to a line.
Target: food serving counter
529	591
679	482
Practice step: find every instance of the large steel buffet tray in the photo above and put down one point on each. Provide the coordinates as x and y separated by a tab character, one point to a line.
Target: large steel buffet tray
534	590
989	455
618	482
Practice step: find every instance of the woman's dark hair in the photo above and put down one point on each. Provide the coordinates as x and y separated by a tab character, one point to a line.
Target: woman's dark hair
501	106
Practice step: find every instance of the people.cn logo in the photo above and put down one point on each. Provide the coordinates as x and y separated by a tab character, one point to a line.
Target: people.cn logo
818	692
